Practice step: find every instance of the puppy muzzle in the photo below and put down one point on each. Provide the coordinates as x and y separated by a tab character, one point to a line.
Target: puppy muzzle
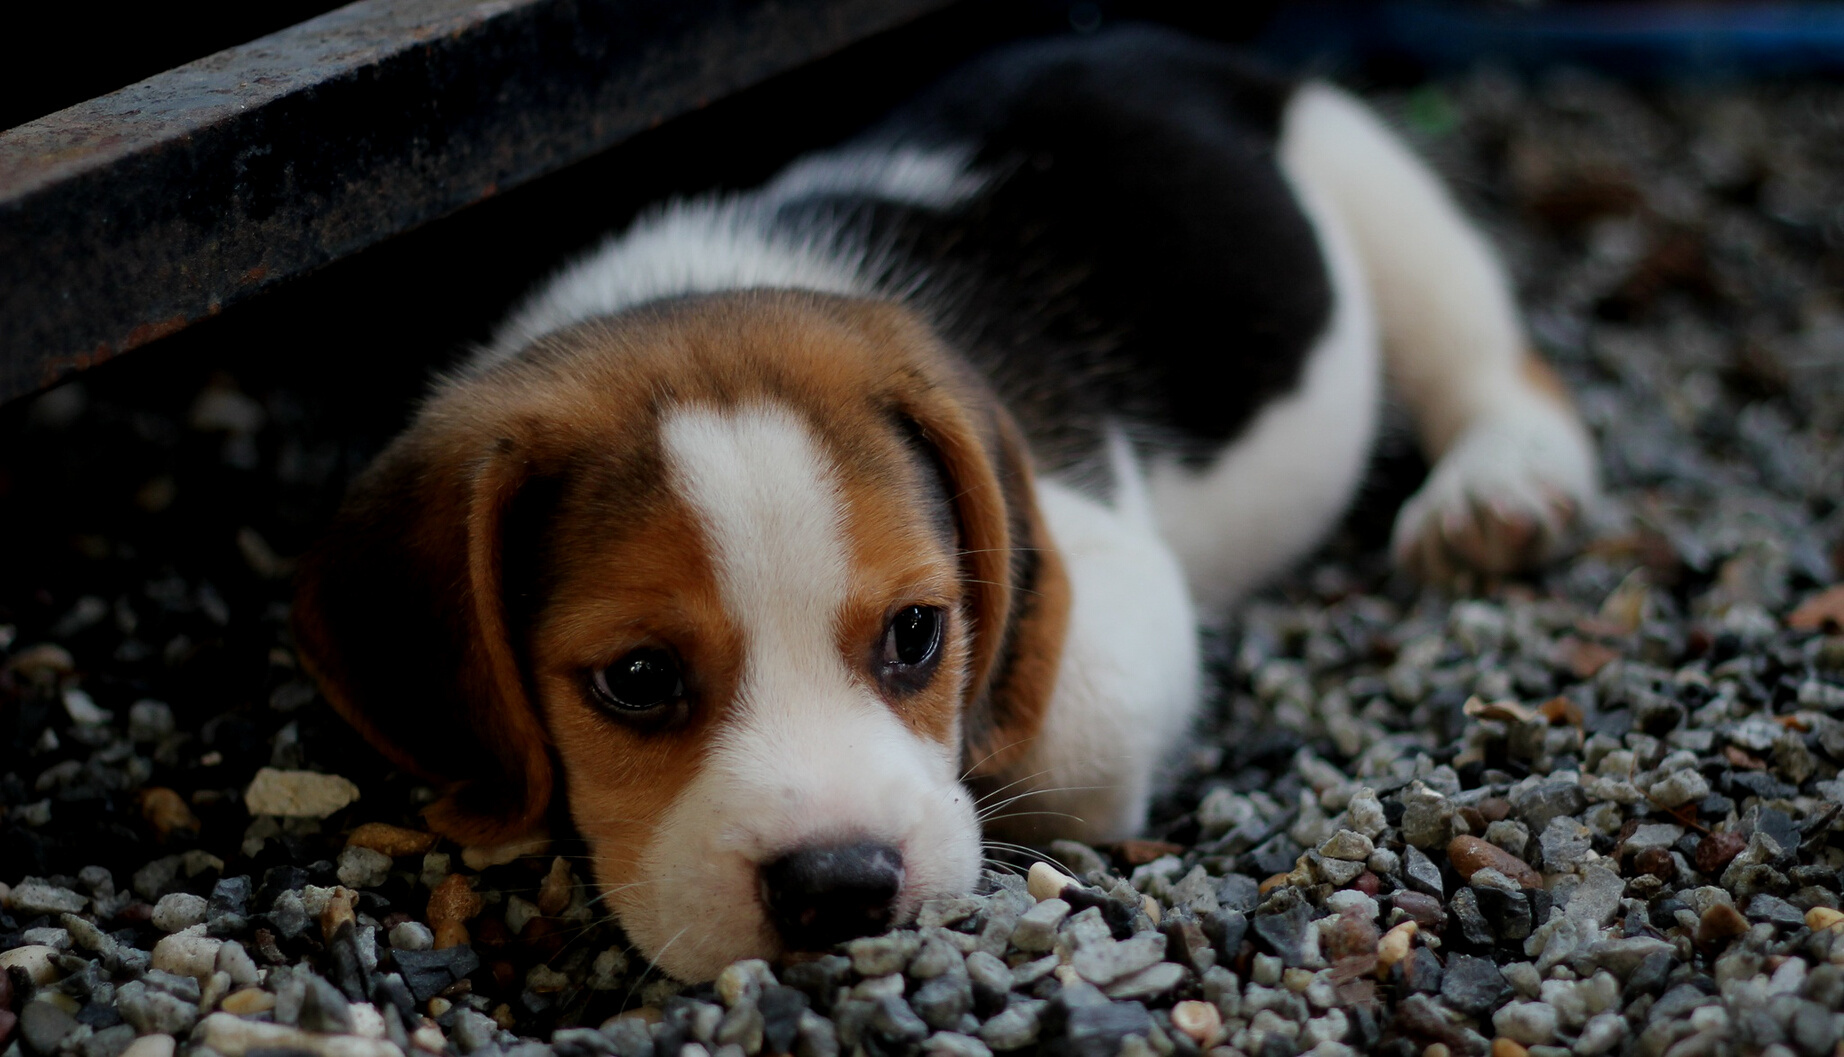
819	896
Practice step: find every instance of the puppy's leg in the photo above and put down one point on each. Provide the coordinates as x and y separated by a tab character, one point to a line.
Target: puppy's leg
1512	463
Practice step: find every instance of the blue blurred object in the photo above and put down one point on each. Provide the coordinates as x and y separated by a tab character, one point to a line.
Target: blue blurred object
1635	39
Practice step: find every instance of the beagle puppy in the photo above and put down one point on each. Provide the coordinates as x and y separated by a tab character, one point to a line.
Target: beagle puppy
769	537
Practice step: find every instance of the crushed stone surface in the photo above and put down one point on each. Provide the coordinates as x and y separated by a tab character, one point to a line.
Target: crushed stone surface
1597	811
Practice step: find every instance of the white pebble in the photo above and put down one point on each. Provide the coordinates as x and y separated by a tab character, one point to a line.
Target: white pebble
519	912
233	1036
85	711
236	963
188	953
1046	882
366	1020
363	867
151	1046
179	910
1531	1023
36	961
412	936
298	794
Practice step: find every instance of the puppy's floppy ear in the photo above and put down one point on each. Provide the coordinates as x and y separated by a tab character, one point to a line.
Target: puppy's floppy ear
1017	589
401	614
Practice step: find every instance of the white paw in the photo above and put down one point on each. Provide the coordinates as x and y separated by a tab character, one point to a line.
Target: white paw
1501	500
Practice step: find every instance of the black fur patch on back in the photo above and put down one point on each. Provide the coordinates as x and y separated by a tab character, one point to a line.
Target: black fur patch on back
1136	257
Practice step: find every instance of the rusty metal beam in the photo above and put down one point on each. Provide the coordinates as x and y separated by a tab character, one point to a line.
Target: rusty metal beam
135	214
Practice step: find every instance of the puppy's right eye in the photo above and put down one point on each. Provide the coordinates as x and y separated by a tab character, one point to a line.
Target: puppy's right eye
641	681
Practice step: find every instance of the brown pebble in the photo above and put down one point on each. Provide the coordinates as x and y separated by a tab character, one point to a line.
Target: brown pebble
554	893
1141	852
167	812
1425	1020
1501	711
1561	710
339	911
1367	883
502	1015
1503	1047
1352	934
1273	882
648	1015
1347	969
1495	809
1716	850
503	974
247	1001
391	840
1470	855
491	933
1585	658
267	950
1818	919
1657	862
1822	612
1720	923
1423	909
47	660
1739	758
1475	819
1199	1020
1356	992
450	905
1394	946
8	1020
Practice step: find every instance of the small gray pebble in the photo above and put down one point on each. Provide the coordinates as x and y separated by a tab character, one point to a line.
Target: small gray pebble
55	938
43	1026
1015	1028
32	898
109	1042
991	980
816	1037
174	984
155	1012
289	915
324	1009
236	963
954	1044
893	1019
941	1002
472	1031
882	955
628	1037
741	1026
936	957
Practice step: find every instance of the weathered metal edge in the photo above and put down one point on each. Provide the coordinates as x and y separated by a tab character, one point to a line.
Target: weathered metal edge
136	214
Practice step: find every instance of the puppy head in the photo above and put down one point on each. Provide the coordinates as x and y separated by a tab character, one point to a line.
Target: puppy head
752	578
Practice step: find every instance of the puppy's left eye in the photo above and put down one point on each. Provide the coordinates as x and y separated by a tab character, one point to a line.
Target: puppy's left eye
640	681
912	643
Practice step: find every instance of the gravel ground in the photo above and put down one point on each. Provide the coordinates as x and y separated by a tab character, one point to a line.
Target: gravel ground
1596	812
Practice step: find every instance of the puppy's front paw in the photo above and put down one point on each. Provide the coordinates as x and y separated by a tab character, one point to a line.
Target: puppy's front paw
1501	500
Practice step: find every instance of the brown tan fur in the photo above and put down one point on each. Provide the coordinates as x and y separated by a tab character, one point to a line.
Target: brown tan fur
402	612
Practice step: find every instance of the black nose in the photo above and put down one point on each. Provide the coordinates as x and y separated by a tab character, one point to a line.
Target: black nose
821	896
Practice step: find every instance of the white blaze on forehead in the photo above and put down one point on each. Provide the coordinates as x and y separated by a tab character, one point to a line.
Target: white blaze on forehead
808	753
773	515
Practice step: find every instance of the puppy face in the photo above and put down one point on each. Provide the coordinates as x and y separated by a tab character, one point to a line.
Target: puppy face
754	574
